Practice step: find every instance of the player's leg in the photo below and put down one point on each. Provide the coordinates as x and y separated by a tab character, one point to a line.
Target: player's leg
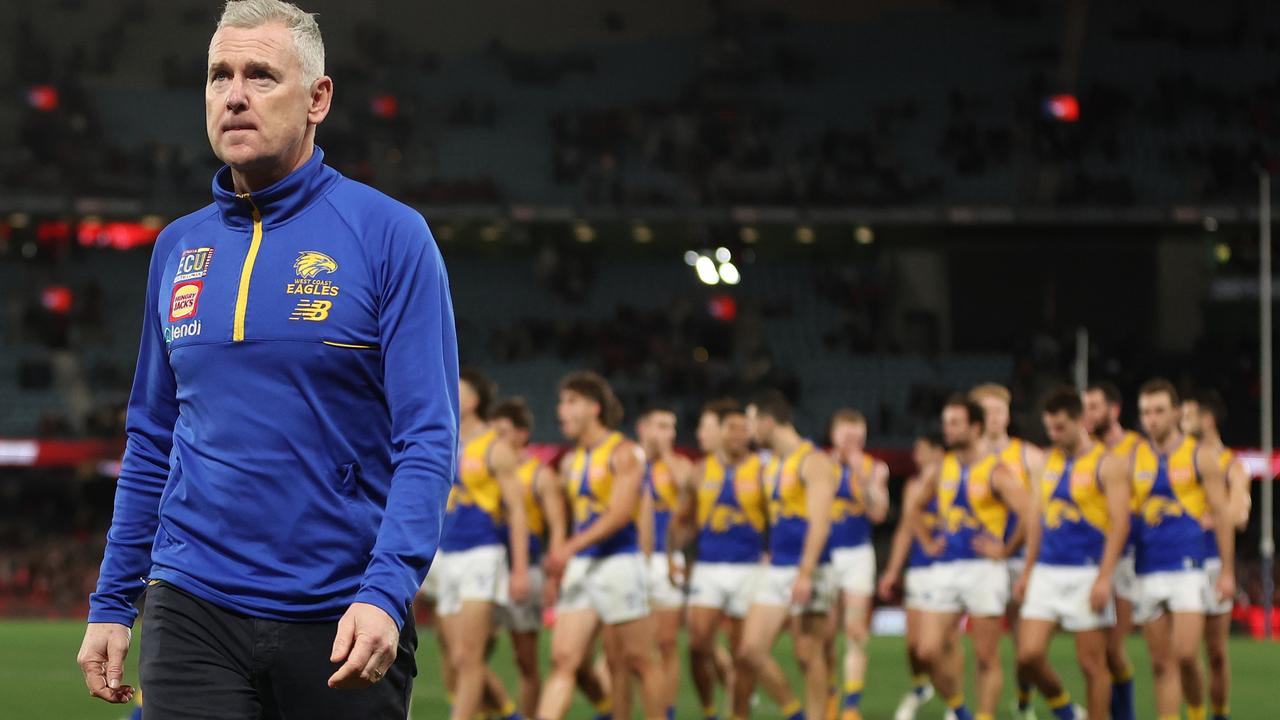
809	633
769	677
1118	661
985	632
465	629
921	689
1188	629
1217	631
856	610
667	620
592	679
1091	652
631	650
1158	630
760	629
524	645
703	624
571	640
935	649
1022	678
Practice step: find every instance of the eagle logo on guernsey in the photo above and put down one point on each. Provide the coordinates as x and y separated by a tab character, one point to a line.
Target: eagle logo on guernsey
311	263
185	301
312	310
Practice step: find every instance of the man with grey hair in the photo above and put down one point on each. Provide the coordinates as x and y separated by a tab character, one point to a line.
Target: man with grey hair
293	425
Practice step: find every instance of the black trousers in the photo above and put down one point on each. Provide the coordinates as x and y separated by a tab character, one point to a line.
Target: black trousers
201	661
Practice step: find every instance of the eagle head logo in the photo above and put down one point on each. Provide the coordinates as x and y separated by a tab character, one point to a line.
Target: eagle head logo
311	263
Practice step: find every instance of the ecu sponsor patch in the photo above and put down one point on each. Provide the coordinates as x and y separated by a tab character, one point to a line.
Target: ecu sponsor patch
193	264
185	301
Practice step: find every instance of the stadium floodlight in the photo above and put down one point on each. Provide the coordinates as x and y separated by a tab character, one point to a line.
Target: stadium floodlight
691	258
583	232
706	269
723	255
804	235
864	235
729	274
642	233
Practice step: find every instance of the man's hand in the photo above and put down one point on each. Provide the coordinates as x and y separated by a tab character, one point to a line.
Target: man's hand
518	586
935	546
1020	587
557	560
802	589
675	573
1226	585
550	591
101	659
1100	593
367	640
888	583
989	547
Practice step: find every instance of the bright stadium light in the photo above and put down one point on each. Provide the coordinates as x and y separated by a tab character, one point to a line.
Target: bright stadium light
642	233
864	235
804	235
583	232
729	274
722	255
706	268
691	258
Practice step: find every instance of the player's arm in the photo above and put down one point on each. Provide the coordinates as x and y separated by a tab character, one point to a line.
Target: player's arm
550	495
1113	474
925	491
624	501
876	492
901	544
645	521
503	460
144	470
1215	489
819	476
1018	499
684	519
1238	485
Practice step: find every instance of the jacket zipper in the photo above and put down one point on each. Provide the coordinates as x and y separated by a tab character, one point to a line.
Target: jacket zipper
246	272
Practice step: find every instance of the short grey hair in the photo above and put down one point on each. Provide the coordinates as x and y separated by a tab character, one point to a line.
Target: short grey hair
302	26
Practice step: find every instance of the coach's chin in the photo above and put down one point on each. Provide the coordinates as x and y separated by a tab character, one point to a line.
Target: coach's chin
282	521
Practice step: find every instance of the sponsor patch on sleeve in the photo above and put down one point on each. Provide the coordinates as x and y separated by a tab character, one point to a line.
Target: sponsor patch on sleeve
193	264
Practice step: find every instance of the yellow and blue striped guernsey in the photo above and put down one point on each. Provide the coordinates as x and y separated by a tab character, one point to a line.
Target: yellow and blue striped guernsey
1014	456
660	483
968	506
1170	501
731	512
849	524
788	506
528	474
1074	509
591	482
474	515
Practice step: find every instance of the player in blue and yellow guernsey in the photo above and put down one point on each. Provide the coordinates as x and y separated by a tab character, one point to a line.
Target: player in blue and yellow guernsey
862	498
665	473
796	588
600	569
1201	418
484	521
905	551
1074	541
545	513
1177	482
1102	406
978	496
725	513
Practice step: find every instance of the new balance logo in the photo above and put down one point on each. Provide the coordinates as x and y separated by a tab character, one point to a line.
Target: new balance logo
313	310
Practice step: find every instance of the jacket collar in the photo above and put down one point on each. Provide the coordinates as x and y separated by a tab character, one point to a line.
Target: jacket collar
279	202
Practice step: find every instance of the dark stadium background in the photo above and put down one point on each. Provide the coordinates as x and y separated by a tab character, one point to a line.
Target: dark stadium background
915	196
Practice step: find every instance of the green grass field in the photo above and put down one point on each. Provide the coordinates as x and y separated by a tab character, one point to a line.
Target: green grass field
39	678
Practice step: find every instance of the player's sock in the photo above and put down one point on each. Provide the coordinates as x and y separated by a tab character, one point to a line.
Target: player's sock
137	714
1062	707
1221	712
671	712
1024	697
509	711
852	694
1122	695
1195	712
958	707
793	711
604	709
920	685
983	716
709	713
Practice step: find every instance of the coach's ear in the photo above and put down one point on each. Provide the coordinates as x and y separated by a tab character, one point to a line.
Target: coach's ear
321	99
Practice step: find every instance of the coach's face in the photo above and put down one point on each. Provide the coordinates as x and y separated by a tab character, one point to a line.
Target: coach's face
260	113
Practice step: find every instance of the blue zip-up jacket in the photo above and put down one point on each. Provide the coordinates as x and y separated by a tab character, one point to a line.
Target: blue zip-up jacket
293	425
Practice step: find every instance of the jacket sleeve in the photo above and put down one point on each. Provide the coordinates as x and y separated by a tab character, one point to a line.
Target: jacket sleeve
420	374
149	423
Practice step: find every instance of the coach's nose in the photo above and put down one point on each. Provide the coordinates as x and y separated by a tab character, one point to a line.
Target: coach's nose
237	99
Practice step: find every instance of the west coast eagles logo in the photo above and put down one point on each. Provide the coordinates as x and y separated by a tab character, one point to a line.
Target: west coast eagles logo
311	263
